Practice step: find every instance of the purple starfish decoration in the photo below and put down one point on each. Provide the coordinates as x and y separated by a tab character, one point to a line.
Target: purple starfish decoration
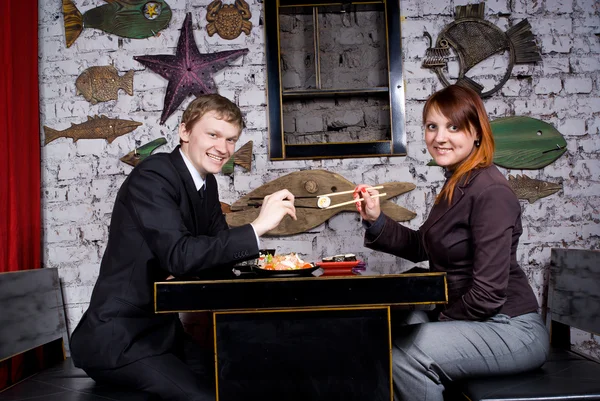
189	72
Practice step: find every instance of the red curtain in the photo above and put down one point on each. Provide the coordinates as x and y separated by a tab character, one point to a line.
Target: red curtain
20	226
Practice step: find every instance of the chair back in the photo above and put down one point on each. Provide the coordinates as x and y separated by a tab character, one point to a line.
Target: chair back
32	310
574	289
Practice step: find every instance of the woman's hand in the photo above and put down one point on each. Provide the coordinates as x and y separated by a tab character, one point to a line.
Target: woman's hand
274	208
368	208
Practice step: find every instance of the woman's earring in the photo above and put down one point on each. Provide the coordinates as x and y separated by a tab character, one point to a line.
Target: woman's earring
477	142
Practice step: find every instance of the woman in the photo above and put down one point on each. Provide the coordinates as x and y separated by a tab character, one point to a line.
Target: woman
490	325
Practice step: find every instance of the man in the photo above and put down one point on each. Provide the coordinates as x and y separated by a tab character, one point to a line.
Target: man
167	220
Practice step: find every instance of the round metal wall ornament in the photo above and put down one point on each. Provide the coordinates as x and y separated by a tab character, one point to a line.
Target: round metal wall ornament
474	39
152	10
228	20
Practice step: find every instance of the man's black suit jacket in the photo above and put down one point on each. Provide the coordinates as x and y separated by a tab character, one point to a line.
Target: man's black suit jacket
160	226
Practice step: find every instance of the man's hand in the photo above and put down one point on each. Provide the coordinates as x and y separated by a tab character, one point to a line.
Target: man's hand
274	208
368	208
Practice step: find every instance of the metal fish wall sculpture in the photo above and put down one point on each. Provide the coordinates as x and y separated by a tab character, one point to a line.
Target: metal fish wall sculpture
94	128
525	143
530	188
134	157
474	40
101	84
135	19
306	186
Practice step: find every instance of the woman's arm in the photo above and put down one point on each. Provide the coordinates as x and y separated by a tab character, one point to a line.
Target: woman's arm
386	235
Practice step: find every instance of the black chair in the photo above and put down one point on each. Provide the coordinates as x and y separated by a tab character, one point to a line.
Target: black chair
573	301
32	316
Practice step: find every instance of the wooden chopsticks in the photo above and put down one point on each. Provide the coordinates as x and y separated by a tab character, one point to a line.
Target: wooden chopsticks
352	201
319	196
347	192
296	206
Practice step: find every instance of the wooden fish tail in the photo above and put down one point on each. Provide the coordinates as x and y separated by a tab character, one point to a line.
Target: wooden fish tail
243	156
523	41
51	134
127	82
73	22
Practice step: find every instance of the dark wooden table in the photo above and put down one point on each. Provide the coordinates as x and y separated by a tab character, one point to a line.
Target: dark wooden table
302	338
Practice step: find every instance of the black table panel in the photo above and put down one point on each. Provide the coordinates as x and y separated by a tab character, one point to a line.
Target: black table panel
301	292
299	355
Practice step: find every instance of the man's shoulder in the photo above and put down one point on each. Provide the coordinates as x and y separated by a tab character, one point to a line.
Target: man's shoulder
156	159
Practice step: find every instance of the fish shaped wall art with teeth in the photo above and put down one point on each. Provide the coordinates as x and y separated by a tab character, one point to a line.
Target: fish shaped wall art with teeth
474	40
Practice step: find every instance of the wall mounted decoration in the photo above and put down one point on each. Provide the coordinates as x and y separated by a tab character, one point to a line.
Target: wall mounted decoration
474	40
97	127
136	19
306	185
242	157
100	84
228	20
189	72
347	100
134	157
525	143
530	188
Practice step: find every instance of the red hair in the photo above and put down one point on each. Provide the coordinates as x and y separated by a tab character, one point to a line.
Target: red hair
464	108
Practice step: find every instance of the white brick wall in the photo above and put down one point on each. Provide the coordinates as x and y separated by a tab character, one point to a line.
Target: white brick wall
80	180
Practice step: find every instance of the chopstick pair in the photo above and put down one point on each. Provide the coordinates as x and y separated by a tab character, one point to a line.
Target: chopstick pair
318	196
300	206
353	201
324	199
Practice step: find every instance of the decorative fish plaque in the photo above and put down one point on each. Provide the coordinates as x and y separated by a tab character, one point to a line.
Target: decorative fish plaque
134	157
530	188
474	40
135	19
189	72
308	184
101	84
242	157
228	20
94	128
525	143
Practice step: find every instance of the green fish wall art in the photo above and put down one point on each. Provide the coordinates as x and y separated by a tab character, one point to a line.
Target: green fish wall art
134	157
525	143
136	19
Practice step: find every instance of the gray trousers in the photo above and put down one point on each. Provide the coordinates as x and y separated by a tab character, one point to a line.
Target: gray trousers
425	354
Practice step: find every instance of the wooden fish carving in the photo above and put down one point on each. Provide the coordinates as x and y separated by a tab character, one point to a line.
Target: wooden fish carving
101	84
135	19
525	143
530	188
94	128
242	157
134	157
312	183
